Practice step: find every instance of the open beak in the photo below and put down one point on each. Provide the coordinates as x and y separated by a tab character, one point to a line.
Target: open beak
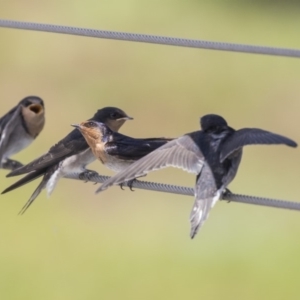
36	108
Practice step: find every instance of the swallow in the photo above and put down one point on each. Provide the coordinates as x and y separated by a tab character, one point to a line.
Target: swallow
18	129
115	150
213	154
70	155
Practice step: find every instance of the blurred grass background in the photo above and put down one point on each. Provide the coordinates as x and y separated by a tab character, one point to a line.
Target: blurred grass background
124	245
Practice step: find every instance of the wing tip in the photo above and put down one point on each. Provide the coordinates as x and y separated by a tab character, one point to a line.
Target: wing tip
4	192
8	189
16	172
109	183
10	174
193	233
292	144
101	189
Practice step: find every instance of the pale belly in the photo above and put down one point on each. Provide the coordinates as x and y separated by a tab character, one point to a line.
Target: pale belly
78	162
16	144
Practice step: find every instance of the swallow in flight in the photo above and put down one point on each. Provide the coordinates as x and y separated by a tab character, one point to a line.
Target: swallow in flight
70	155
213	154
18	129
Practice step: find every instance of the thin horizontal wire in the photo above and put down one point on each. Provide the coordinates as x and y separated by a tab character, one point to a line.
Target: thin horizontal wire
182	190
153	39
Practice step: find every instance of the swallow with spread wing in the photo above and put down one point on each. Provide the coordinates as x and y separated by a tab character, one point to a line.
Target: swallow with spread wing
70	155
213	154
18	129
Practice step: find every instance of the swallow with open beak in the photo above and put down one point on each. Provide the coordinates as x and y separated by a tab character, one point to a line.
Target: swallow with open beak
70	155
18	129
213	154
115	150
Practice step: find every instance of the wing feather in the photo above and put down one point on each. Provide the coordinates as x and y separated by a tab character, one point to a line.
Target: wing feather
180	153
72	144
125	147
252	136
7	125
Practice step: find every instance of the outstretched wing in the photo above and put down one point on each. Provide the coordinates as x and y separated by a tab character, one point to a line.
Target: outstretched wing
252	136
180	153
72	144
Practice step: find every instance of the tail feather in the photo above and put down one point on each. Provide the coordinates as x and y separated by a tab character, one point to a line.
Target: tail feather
26	179
44	184
199	214
206	196
33	196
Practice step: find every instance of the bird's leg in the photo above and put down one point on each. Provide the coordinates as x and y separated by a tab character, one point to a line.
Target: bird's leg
88	175
227	192
129	183
10	164
121	185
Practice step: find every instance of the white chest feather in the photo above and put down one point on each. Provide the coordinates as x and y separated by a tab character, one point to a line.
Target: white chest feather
78	162
16	144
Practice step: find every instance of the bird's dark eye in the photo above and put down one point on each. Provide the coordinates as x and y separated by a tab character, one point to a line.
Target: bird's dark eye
90	124
114	115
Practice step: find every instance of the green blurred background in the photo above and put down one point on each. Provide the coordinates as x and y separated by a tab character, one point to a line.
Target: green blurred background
135	245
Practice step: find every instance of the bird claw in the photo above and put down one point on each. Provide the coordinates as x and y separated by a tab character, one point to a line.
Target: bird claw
12	165
227	192
88	175
129	183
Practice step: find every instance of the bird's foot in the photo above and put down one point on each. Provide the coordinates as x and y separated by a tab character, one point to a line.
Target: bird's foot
129	183
227	192
12	165
88	175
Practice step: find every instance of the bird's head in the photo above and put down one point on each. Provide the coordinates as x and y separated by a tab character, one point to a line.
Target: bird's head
213	122
33	104
113	117
92	130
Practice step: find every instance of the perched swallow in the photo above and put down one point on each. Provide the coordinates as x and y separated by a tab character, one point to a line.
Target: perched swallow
116	151
213	154
18	128
70	155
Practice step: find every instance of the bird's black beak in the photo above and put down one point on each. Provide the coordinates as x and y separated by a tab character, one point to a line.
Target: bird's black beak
125	118
76	126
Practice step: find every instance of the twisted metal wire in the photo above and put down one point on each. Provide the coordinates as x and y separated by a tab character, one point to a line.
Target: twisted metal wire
182	190
153	39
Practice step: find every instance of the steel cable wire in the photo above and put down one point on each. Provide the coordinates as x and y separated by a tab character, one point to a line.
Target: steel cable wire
182	190
154	39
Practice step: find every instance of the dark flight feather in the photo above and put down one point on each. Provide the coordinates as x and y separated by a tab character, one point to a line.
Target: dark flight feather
72	144
252	136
